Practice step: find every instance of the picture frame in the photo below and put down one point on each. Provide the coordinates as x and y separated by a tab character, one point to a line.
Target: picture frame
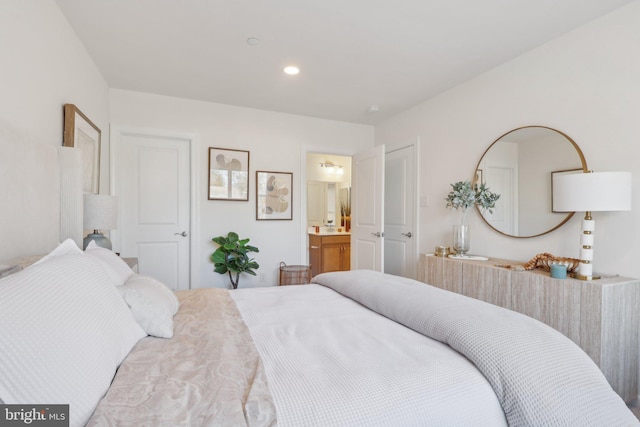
228	174
274	195
82	133
557	173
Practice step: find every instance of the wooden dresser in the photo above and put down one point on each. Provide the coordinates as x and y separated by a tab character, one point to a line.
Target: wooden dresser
601	316
329	253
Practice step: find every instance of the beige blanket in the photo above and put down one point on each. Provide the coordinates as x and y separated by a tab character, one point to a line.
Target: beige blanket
208	374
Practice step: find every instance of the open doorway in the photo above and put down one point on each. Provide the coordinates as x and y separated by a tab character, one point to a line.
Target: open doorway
398	201
328	203
328	187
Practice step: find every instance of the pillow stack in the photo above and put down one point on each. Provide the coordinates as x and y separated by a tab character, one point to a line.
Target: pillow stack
114	266
152	303
64	330
68	321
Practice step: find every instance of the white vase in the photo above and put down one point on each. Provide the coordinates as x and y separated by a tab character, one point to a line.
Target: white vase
461	235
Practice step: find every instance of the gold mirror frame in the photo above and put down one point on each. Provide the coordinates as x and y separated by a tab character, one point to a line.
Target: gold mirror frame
481	175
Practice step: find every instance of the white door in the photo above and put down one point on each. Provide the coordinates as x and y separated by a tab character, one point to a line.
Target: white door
367	210
399	216
504	214
501	175
152	181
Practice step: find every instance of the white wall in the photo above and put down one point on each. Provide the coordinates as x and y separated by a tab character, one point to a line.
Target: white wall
44	66
276	141
585	84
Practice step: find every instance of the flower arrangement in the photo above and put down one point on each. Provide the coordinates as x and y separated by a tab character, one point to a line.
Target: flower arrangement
464	195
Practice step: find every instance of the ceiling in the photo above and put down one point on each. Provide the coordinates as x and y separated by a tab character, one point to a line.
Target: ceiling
352	54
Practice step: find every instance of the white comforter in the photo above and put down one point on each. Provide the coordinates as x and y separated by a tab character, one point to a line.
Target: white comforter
330	361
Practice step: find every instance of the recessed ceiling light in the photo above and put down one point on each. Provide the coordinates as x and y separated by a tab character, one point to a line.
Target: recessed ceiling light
253	41
291	70
374	109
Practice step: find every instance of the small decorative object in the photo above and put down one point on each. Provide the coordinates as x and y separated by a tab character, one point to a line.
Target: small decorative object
463	196
558	271
545	260
80	132
228	174
100	212
442	251
273	195
345	208
231	257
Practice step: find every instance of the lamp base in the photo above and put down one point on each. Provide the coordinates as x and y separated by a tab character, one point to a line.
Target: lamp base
100	239
586	278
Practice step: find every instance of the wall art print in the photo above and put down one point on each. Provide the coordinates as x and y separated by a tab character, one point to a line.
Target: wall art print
80	132
274	195
228	174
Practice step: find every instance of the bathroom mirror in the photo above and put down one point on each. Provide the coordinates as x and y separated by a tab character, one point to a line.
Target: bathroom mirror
519	166
328	183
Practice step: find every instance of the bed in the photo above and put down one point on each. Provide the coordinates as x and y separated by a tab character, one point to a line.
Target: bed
354	348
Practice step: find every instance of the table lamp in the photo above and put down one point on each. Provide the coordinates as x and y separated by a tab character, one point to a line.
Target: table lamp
591	192
100	213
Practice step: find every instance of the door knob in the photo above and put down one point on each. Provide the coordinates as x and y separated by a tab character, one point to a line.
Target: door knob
183	234
407	234
377	234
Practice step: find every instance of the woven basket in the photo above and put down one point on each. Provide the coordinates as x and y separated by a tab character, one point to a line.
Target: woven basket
571	263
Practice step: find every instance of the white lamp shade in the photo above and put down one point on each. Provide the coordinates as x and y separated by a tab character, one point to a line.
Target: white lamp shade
592	192
100	212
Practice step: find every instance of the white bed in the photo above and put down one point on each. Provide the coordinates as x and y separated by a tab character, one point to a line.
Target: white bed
358	348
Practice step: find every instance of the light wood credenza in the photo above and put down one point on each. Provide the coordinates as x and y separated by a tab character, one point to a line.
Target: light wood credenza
601	316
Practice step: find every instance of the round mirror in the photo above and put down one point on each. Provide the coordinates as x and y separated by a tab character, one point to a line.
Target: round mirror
520	166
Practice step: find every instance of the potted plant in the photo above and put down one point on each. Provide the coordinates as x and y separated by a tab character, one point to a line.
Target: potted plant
463	196
231	257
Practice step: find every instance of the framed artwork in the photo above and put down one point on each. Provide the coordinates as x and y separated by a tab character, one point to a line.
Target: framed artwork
80	132
228	174
274	195
562	172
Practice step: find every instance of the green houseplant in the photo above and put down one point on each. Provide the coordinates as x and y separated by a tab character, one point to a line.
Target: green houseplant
231	257
465	195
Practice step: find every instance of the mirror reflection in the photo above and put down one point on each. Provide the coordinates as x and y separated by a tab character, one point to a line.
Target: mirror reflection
328	189
519	166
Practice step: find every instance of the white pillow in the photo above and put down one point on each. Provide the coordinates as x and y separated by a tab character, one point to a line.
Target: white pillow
65	248
116	268
64	330
152	303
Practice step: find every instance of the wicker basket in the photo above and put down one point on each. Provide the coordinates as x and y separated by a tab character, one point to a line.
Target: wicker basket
294	274
571	263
